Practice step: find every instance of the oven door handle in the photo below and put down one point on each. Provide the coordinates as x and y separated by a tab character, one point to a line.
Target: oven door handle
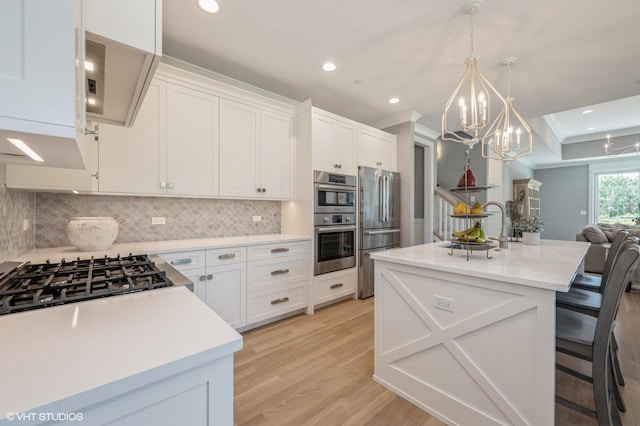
336	187
323	230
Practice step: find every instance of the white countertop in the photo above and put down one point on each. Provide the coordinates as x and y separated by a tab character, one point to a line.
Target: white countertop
57	253
53	353
550	265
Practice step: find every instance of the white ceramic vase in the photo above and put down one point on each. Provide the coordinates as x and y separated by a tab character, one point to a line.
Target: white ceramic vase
92	233
531	238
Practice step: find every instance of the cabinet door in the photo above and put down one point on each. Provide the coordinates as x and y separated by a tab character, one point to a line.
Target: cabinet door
344	146
277	150
192	142
198	278
367	148
226	293
132	160
239	135
38	67
386	149
322	135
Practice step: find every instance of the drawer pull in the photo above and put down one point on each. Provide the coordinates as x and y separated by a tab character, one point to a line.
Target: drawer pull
202	278
279	250
180	261
281	300
227	256
210	276
336	286
279	271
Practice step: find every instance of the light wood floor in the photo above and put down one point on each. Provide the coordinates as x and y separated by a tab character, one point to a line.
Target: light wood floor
317	370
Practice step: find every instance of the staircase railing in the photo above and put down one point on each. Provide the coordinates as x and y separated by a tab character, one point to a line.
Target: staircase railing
444	224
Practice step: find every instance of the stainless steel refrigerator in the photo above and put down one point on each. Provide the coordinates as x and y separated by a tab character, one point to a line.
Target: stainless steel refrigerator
379	216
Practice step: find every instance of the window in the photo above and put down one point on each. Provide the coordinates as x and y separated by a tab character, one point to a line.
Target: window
617	197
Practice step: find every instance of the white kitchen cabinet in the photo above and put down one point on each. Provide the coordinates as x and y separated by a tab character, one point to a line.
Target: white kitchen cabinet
376	148
41	80
225	289
277	280
192	142
334	285
334	144
133	160
171	149
256	152
192	264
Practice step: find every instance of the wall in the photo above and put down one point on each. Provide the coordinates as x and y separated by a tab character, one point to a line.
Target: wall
515	170
185	217
564	193
15	207
450	165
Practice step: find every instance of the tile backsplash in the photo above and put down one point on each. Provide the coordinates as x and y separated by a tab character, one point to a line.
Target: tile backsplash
15	207
185	217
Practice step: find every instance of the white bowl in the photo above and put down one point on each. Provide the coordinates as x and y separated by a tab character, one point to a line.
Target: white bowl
92	233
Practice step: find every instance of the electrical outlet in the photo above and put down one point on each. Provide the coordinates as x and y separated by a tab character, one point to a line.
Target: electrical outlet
161	220
443	303
25	225
257	218
583	212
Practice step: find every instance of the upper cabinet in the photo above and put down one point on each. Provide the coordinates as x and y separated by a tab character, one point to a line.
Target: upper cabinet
42	72
376	148
334	143
40	81
257	146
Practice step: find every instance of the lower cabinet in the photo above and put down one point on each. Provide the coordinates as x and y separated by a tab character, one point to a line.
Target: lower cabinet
246	285
334	285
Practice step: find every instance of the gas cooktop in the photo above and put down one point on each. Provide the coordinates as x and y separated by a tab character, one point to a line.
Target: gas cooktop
31	286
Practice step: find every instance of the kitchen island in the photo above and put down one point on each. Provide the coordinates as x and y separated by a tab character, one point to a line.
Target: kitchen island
472	342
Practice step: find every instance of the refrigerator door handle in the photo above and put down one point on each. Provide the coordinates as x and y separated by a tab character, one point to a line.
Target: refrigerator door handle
386	198
381	197
384	231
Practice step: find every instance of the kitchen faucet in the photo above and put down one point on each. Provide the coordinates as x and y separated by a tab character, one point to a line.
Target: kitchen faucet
502	239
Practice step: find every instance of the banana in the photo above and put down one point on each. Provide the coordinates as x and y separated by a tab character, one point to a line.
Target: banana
463	233
482	237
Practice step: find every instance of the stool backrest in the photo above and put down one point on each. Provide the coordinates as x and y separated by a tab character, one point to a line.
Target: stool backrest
616	243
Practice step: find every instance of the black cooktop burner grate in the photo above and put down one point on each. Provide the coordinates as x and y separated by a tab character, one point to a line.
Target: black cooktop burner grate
47	284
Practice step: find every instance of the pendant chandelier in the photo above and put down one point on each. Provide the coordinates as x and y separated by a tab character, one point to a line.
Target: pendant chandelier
509	137
470	105
611	151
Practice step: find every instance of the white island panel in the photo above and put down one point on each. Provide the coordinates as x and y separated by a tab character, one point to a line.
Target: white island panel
472	342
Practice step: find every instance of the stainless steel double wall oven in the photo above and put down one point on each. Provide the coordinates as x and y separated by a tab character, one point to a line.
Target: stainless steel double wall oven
334	222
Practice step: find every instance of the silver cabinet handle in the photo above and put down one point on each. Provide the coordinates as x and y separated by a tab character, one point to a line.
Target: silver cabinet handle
180	261
163	184
335	166
258	189
279	250
95	132
264	189
210	276
279	272
170	185
227	256
334	286
281	300
202	278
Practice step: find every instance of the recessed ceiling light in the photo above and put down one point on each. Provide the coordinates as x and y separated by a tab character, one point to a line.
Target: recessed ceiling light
393	100
209	6
329	66
24	148
587	111
88	65
591	128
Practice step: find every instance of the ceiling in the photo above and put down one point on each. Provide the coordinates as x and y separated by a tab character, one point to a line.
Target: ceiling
571	55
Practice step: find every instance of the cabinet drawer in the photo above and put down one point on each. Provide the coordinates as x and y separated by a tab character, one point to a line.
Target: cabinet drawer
265	306
265	274
274	251
185	260
226	256
334	286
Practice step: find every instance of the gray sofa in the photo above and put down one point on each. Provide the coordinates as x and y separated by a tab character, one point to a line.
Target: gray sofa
597	235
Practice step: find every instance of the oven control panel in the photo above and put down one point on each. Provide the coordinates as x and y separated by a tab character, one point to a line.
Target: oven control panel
322	219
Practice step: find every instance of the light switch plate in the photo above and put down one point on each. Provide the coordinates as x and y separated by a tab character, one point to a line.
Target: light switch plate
444	303
158	220
257	218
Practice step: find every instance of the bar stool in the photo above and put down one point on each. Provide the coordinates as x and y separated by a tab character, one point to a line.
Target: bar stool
589	338
593	283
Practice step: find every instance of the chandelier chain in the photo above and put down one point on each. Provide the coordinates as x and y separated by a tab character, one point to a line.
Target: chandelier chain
473	12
